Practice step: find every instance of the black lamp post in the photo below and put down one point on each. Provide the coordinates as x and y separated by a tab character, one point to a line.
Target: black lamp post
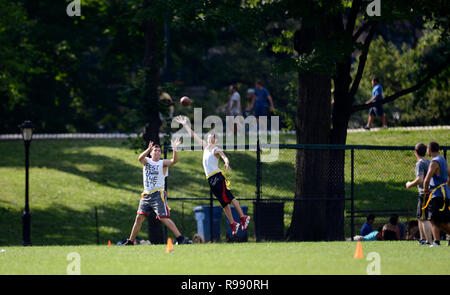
27	134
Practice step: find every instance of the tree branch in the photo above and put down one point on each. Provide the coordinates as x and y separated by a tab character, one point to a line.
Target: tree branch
403	92
362	60
361	29
351	20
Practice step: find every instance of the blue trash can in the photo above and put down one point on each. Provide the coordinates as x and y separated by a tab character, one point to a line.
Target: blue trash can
202	216
240	236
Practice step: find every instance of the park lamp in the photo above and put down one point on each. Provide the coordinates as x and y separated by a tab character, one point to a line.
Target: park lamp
27	130
27	134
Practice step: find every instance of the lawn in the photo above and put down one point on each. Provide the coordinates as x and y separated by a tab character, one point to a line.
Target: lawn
320	258
69	179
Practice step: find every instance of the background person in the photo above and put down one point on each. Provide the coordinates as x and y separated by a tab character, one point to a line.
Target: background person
377	95
262	101
435	186
421	170
367	226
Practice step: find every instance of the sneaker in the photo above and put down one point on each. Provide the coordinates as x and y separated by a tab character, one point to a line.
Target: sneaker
245	220
366	127
435	244
385	127
128	242
423	242
183	240
234	228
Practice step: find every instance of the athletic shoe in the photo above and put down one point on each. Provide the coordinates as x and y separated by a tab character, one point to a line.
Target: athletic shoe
423	242
245	220
385	127
367	128
435	244
128	242
182	240
234	228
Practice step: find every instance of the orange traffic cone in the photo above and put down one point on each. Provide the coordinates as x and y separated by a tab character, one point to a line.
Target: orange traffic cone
169	245
109	243
358	251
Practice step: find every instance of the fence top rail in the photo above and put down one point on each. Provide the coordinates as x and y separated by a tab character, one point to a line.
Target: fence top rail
310	147
347	147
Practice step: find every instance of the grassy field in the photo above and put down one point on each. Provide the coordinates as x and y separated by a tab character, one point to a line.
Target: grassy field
69	178
321	258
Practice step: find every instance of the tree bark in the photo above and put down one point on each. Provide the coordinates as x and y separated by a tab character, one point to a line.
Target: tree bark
151	64
309	221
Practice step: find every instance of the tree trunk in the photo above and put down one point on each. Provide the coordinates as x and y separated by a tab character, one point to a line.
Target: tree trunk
150	100
309	222
152	60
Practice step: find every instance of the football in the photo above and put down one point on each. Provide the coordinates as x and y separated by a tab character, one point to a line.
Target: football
185	101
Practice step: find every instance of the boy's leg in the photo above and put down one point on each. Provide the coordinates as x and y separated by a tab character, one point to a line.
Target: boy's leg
421	230
427	230
137	226
370	120
237	207
228	214
383	120
171	225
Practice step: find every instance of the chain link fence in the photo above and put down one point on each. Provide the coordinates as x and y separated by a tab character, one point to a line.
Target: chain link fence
362	179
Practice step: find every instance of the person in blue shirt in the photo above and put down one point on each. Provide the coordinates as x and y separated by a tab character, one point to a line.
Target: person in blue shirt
436	187
377	95
367	226
261	101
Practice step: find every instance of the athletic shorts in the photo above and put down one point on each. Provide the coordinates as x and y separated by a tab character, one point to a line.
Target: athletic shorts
218	185
422	214
376	111
157	202
438	211
261	110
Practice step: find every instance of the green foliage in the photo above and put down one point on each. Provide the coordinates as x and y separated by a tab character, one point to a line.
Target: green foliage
402	68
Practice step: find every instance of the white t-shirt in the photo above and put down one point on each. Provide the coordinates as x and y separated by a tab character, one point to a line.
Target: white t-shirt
153	175
210	161
235	97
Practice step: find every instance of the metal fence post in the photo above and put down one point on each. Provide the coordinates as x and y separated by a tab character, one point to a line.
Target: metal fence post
352	194
165	184
211	217
258	191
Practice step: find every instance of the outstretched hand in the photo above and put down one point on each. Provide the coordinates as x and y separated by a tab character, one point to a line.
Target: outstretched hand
181	120
175	143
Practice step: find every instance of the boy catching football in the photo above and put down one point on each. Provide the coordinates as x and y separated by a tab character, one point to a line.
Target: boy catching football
216	178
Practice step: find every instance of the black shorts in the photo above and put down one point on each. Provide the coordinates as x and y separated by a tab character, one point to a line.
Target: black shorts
376	111
217	183
438	212
422	214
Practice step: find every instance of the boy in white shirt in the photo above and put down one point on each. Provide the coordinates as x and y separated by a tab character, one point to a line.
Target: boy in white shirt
216	178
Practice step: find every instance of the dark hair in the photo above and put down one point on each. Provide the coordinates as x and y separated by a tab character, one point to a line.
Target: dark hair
421	149
375	79
234	86
370	217
393	219
434	147
259	82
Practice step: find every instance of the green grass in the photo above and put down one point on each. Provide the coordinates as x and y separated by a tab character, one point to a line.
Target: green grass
69	178
321	258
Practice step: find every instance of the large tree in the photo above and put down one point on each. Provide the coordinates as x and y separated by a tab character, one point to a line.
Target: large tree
328	35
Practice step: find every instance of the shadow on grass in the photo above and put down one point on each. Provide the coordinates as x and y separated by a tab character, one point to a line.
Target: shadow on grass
64	226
